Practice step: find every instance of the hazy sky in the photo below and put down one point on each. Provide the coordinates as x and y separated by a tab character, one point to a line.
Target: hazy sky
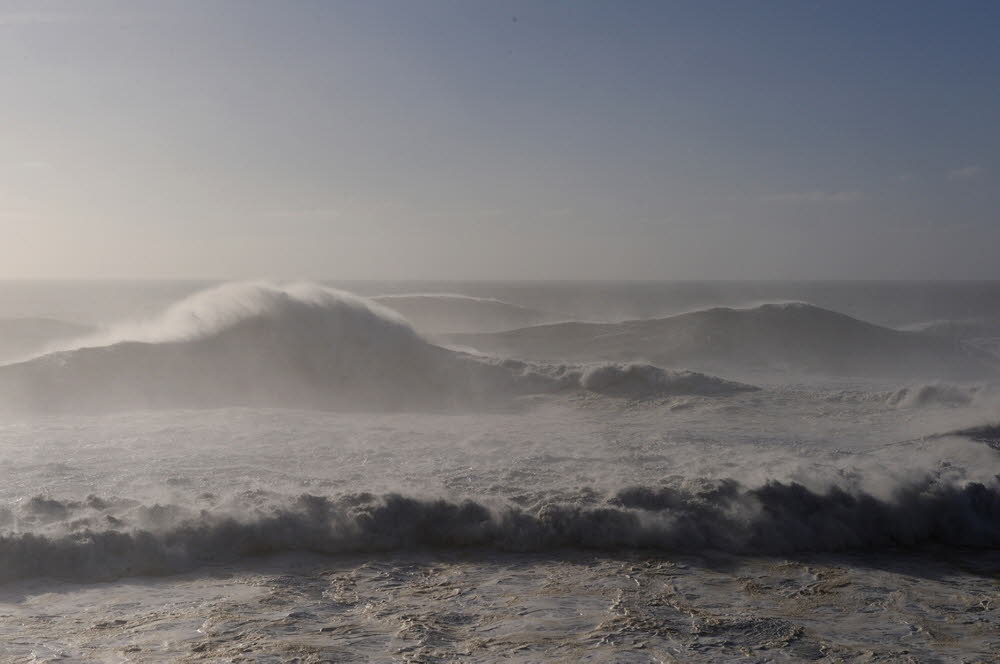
468	139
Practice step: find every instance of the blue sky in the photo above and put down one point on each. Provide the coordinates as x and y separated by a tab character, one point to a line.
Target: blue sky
485	140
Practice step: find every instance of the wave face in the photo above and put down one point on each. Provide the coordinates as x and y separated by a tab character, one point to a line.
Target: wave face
301	346
440	313
245	344
98	539
790	337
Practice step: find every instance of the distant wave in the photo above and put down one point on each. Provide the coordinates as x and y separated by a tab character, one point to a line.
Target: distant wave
787	336
302	346
440	313
391	297
776	518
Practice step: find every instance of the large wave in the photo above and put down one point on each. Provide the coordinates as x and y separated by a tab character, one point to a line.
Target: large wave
299	345
300	307
99	539
249	344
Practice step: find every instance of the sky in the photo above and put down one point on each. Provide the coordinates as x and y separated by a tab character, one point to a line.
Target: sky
465	139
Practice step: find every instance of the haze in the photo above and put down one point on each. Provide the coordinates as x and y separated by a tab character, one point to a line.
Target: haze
473	140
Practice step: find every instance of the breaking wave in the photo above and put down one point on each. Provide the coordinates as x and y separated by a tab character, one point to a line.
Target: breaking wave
97	539
297	305
300	346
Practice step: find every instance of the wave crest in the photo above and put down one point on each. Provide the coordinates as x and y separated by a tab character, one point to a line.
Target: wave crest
213	311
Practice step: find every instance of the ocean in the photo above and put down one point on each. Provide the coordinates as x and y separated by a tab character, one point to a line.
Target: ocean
511	471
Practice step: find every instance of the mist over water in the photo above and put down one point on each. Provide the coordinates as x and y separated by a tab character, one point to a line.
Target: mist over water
242	422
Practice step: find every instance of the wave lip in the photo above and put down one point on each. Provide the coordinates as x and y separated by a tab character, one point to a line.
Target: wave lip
776	518
215	310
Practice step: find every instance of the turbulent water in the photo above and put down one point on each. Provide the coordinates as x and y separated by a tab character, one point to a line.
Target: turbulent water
475	472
